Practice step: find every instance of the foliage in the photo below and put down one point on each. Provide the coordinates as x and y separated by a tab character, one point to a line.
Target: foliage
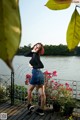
28	77
23	50
73	34
52	50
20	92
70	102
70	118
2	94
58	91
56	5
10	30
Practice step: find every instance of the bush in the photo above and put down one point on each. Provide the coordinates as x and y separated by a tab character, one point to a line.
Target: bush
2	94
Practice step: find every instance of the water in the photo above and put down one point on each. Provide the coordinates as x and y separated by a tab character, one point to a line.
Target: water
68	68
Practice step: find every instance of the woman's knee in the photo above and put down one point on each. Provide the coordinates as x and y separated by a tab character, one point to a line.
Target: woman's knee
30	90
42	95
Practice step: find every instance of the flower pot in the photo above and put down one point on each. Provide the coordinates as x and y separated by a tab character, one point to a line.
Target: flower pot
68	110
56	106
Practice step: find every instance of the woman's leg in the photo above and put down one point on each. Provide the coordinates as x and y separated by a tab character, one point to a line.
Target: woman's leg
42	95
30	89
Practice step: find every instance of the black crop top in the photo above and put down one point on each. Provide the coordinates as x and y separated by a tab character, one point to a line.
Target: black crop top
35	60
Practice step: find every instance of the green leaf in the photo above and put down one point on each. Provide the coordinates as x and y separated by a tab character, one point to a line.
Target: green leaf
51	4
10	30
73	31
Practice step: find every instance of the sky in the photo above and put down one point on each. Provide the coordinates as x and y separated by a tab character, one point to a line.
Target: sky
40	24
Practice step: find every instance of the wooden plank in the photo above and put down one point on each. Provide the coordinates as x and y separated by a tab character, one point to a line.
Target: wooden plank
19	115
26	115
5	106
32	117
8	107
20	112
54	116
2	104
46	116
38	117
16	111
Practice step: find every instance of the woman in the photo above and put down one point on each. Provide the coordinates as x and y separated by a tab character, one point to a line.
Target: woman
37	79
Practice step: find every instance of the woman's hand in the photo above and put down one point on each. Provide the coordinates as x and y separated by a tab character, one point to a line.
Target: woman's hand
30	66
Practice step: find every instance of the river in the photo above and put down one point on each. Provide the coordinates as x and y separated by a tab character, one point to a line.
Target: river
68	68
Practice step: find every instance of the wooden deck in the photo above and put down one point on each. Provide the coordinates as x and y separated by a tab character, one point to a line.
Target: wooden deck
20	112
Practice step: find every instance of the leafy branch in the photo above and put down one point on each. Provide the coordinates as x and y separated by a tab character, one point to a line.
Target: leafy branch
73	30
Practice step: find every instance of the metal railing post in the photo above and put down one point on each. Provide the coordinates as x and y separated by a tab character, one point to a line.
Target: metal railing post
12	87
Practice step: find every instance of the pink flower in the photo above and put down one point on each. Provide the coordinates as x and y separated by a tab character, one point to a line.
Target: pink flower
28	76
52	81
46	72
49	76
55	83
54	73
66	84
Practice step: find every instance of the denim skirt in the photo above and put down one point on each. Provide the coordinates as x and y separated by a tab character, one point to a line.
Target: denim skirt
37	77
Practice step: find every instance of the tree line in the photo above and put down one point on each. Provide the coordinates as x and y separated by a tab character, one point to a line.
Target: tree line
52	50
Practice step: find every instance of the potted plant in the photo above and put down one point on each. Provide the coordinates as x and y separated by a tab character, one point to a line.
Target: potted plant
56	106
60	94
69	106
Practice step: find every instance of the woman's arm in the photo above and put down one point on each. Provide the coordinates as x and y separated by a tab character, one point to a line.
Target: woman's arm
36	62
29	54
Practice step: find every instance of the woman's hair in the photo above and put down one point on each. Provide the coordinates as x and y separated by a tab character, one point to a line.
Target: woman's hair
41	50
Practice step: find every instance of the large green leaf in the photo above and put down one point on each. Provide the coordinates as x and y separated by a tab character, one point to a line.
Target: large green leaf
73	31
53	5
10	29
